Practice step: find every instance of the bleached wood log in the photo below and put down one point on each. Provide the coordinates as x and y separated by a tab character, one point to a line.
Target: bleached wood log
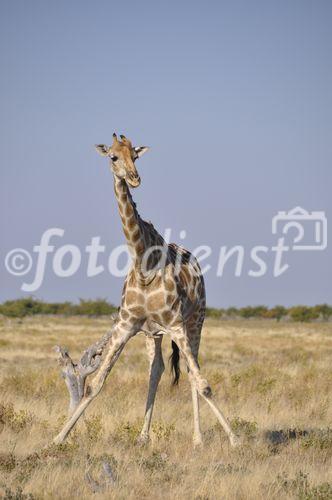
75	374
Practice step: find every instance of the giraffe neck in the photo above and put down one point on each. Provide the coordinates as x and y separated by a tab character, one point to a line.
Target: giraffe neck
131	221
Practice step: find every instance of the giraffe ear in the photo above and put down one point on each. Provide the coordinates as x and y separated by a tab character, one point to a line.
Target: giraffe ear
140	150
102	149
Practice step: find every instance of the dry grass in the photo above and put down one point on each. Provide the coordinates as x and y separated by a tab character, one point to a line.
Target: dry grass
273	381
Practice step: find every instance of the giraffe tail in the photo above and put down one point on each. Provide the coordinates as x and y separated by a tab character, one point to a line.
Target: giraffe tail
175	363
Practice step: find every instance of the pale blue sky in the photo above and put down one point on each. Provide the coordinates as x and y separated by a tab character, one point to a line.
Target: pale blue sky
234	99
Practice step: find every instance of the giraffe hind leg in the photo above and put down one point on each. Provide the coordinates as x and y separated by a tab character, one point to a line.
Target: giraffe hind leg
197	435
202	385
157	368
194	335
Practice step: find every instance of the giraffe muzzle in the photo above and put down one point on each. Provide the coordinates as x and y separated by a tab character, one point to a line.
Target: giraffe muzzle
133	180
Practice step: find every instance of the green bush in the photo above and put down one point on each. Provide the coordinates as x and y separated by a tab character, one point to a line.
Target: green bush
212	312
253	312
21	307
100	307
244	427
276	312
30	306
63	308
303	313
324	310
232	311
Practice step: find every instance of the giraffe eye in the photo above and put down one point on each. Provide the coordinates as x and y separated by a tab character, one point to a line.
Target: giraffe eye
114	158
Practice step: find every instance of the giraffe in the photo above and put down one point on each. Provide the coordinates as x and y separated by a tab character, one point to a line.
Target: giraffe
163	293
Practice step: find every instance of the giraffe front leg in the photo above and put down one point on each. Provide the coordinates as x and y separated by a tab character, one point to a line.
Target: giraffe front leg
122	333
157	368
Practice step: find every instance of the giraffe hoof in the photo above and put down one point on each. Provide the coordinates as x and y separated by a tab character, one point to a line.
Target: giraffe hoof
143	439
207	392
198	442
204	389
235	441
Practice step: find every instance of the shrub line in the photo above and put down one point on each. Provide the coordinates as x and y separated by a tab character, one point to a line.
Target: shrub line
30	306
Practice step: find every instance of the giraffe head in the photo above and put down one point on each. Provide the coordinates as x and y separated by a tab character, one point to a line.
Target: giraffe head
122	156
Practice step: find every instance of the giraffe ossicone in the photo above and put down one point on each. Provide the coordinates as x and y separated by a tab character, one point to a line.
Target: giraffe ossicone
163	293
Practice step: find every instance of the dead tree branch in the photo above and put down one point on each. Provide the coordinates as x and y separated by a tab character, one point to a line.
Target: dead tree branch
75	374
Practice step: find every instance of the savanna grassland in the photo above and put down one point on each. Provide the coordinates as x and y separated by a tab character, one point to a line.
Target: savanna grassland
272	379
